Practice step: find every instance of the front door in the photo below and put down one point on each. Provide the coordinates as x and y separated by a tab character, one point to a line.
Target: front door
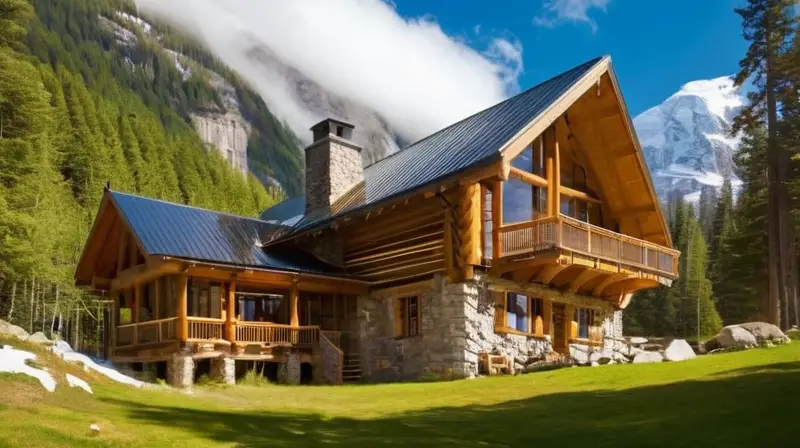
559	328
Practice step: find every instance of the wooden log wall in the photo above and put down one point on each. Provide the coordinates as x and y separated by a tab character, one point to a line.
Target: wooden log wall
400	242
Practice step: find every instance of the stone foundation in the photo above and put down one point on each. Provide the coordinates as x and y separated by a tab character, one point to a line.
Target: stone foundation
289	371
224	369
180	371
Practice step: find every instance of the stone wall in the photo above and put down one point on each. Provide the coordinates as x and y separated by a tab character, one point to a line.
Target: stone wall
456	324
289	371
333	166
180	371
329	363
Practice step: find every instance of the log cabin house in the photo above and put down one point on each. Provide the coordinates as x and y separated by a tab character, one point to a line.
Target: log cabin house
522	229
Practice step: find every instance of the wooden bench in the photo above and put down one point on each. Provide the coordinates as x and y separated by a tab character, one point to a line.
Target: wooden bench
494	364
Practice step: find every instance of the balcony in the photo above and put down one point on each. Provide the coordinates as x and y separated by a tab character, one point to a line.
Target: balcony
611	251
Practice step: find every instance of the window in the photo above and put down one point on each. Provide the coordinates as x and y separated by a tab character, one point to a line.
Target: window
407	317
531	159
205	299
585	319
523	201
488	225
521	313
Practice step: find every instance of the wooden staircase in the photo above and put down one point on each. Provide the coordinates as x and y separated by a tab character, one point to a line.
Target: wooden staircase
351	371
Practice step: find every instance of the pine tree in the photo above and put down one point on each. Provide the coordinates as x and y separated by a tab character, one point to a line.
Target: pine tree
721	220
707	208
769	26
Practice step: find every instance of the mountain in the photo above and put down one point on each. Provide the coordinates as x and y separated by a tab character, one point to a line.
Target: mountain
686	139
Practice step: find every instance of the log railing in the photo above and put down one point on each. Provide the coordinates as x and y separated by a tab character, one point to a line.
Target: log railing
206	329
149	332
569	233
275	334
334	336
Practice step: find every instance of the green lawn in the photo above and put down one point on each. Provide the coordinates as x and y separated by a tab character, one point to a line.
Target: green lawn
737	399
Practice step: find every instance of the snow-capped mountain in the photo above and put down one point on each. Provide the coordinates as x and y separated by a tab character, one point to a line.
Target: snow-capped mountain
686	139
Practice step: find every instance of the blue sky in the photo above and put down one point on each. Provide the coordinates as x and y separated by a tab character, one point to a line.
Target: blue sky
656	46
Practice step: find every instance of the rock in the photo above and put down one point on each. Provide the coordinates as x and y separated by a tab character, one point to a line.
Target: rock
7	328
653	347
619	357
601	356
679	350
95	428
39	338
594	364
542	366
636	340
734	336
579	353
648	357
765	332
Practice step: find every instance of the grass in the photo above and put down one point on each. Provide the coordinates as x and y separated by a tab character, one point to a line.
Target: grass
745	398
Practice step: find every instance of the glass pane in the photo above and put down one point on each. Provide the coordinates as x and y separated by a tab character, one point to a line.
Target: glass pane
517	201
524	160
517	312
487	224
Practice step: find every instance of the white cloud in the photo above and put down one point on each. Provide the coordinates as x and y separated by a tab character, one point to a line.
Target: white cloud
558	11
409	71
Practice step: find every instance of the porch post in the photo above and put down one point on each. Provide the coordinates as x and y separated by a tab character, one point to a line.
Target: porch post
294	319
137	304
553	172
230	309
183	308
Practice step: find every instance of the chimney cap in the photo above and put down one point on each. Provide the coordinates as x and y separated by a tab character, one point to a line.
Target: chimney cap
326	121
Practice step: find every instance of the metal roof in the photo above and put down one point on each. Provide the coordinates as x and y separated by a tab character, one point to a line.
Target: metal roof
181	231
473	141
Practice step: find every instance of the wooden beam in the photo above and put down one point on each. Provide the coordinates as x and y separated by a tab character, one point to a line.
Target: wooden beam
153	268
582	278
294	295
547	293
553	173
502	267
566	191
548	273
527	177
230	313
182	285
101	283
610	280
497	218
123	247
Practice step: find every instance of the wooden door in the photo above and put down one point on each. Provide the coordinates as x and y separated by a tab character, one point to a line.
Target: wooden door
560	328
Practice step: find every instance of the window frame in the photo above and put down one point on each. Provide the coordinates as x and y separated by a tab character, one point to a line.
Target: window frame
407	320
533	303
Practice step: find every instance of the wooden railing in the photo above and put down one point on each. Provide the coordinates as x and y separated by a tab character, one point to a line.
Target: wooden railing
206	329
149	332
275	334
537	235
334	336
569	233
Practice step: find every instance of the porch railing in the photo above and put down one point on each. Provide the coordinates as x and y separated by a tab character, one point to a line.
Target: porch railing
205	329
334	336
149	332
578	236
275	334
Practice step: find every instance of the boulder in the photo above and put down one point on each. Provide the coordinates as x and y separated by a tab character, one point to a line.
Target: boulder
734	336
39	338
648	357
653	347
679	350
764	332
601	356
579	353
636	340
619	357
9	329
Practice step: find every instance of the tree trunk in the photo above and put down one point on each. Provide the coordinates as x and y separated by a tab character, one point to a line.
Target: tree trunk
13	296
55	311
32	305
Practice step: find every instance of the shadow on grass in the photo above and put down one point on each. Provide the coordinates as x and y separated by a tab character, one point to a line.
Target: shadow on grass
753	409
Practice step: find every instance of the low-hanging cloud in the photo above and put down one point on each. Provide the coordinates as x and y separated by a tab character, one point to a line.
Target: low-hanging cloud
409	71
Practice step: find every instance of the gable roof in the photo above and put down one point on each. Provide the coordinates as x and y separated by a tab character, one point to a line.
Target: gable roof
191	233
471	142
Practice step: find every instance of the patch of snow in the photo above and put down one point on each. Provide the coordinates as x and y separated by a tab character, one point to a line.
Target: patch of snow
74	381
15	361
63	350
719	94
177	58
146	27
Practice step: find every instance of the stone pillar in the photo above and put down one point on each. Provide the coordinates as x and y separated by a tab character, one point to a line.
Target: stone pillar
180	371
224	369
289	372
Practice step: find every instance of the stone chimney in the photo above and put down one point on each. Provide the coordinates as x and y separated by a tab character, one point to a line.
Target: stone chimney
333	163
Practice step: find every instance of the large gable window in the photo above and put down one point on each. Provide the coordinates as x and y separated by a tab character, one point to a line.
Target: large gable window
523	201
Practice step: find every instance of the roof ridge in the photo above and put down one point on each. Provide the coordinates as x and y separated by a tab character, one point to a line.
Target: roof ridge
592	61
177	204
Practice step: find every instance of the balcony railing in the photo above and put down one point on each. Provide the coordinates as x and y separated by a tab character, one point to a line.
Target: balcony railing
206	329
569	233
149	332
275	334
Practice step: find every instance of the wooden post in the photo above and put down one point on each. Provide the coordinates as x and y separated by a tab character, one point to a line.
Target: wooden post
497	219
547	318
230	309
157	307
183	307
553	173
137	303
123	247
294	293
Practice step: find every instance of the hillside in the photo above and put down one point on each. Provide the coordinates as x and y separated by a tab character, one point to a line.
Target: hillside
735	399
81	110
